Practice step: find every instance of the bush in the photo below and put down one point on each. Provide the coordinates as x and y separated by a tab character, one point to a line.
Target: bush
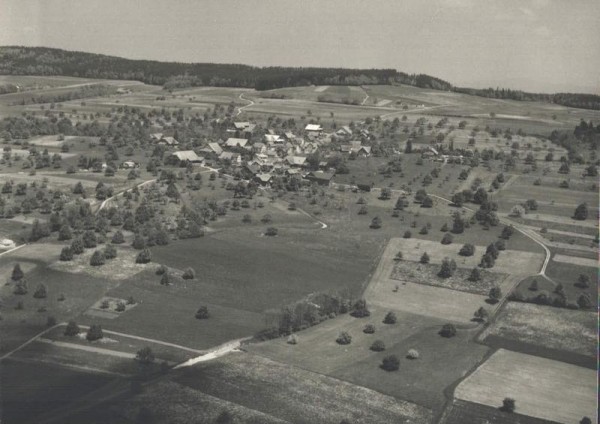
271	232
344	338
378	346
390	363
120	307
369	329
413	354
390	318
143	257
94	333
448	330
97	258
202	313
66	254
72	329
189	274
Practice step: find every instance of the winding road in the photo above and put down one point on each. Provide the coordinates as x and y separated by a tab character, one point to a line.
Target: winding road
241	109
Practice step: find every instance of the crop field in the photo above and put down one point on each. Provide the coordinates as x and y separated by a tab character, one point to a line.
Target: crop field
542	388
293	394
168	401
421	380
31	389
552	328
461	412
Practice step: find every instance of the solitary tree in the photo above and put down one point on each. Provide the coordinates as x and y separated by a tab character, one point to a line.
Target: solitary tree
40	292
475	275
467	250
448	330
376	223
94	333
97	258
508	405
189	274
145	356
424	258
495	294
390	363
481	314
72	329
143	257
447	269
202	312
378	346
581	212
390	318
17	273
344	338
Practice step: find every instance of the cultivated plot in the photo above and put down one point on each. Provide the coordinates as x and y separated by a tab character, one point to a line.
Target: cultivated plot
541	387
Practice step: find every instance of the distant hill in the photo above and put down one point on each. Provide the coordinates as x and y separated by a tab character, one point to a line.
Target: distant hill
15	60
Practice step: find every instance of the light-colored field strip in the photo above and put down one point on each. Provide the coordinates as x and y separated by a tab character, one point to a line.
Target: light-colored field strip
562	233
575	260
556	219
92	349
321	88
383	103
542	388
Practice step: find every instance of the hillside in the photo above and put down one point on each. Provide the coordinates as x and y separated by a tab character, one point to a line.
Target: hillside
15	60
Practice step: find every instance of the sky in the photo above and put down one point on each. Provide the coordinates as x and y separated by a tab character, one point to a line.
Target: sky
532	45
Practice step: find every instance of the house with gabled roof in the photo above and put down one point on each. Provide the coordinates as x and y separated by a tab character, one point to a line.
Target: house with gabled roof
320	177
236	142
215	148
297	161
188	156
169	141
315	128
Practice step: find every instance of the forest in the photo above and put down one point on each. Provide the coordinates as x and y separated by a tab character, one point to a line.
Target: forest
16	60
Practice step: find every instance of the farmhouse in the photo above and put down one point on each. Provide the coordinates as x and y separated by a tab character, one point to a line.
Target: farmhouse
297	161
129	164
169	141
188	156
156	136
236	142
215	148
314	128
241	125
272	138
263	179
231	157
344	131
320	177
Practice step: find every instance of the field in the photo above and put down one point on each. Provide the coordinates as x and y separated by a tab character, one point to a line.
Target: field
296	395
422	380
30	390
461	412
542	388
545	326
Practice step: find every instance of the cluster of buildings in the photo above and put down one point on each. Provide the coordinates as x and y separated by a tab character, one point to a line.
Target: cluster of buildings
275	154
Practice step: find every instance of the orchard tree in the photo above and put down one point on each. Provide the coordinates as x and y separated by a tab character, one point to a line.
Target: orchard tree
390	318
72	329
581	212
41	292
481	314
448	330
17	273
143	257
495	294
145	356
390	363
94	333
508	405
66	254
